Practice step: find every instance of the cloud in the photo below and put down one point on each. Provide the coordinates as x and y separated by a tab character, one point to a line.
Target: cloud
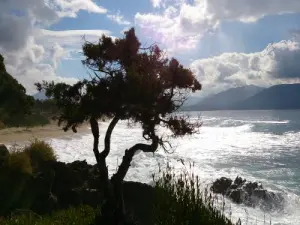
32	53
277	63
156	3
185	22
118	18
70	8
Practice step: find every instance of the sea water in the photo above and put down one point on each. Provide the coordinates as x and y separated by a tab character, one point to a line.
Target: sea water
261	146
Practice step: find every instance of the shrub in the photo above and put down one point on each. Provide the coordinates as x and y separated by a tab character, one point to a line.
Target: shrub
179	200
39	152
82	215
20	162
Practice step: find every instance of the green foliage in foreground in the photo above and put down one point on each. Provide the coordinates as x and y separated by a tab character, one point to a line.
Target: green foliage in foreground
83	215
180	201
39	152
17	171
29	158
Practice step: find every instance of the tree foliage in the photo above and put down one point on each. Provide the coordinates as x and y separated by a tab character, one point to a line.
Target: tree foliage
127	82
13	98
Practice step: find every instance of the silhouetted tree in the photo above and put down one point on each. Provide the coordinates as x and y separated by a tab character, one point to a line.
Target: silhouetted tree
130	83
13	99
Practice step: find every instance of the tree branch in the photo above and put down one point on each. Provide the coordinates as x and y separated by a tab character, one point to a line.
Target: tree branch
119	176
109	131
95	132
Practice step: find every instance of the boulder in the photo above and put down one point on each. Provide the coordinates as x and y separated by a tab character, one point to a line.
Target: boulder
237	196
220	186
249	193
239	181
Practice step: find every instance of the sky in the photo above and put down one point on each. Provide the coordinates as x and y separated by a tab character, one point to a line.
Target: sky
226	43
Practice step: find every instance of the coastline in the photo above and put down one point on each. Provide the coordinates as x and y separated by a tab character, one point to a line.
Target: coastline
23	134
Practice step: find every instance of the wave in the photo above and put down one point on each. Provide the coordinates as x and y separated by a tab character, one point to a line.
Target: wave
235	122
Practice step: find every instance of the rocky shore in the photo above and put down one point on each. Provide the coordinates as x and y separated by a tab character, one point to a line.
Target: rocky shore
251	194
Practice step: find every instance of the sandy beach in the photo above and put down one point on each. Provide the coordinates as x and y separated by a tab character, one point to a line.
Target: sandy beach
14	135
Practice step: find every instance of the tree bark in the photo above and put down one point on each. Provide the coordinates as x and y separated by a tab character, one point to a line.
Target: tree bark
118	178
108	189
127	158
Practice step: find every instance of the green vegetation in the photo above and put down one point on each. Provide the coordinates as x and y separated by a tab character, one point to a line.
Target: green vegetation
13	102
39	152
180	200
82	215
16	108
20	162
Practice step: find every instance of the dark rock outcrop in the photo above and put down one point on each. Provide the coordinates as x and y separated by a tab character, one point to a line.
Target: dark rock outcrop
57	185
4	153
249	193
220	186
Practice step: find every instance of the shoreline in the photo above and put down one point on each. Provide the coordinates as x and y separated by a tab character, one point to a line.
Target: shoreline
23	134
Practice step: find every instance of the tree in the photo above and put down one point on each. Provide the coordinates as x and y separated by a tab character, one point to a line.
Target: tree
14	103
130	83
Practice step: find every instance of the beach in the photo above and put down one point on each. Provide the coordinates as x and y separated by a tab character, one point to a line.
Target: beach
22	134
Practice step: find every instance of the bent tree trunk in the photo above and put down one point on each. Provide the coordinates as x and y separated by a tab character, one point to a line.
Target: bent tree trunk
110	205
118	178
114	208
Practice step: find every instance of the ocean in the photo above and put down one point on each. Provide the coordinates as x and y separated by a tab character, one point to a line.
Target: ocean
261	146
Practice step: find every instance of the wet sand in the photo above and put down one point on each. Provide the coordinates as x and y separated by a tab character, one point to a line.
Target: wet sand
15	135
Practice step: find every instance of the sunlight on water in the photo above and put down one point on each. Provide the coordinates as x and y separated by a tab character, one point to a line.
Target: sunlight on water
259	146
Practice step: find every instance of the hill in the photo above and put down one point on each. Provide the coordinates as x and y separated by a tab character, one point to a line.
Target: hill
284	96
13	102
16	107
226	99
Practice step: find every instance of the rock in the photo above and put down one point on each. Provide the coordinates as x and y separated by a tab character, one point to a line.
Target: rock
4	154
237	196
239	181
260	193
249	187
249	193
220	186
3	150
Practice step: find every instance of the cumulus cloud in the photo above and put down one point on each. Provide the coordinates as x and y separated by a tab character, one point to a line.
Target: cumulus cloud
118	18
277	63
183	23
32	54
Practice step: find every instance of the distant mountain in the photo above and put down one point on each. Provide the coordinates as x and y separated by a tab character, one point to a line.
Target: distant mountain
226	99
192	100
40	96
284	96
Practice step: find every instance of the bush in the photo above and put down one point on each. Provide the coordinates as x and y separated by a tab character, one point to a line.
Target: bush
39	152
180	201
82	215
20	162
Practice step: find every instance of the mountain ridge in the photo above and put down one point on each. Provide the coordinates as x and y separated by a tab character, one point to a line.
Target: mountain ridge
225	99
281	96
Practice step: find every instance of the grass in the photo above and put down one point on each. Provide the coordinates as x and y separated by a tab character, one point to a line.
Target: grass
179	200
39	152
20	161
82	215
